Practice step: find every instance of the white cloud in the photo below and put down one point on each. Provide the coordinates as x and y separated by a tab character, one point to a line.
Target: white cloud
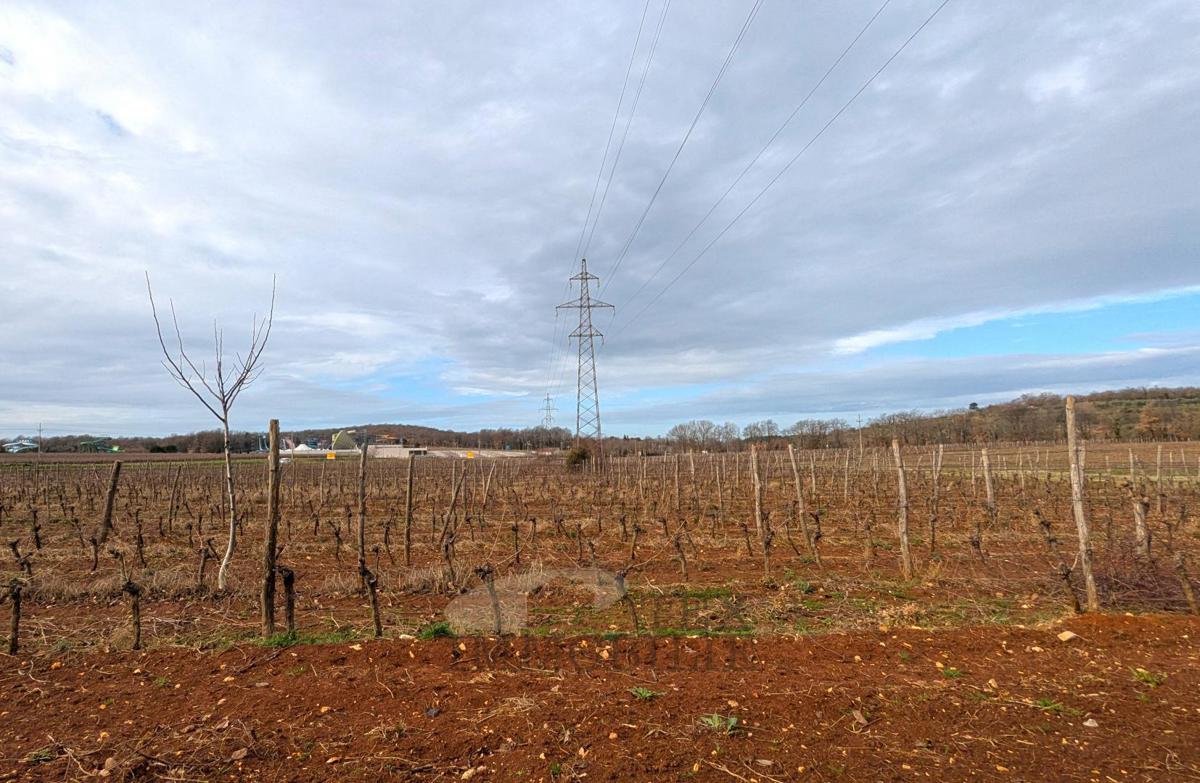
416	177
1070	80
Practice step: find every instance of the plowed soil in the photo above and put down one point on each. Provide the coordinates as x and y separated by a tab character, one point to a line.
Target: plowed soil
1119	702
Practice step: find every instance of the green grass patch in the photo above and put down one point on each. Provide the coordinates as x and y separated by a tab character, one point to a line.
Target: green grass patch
286	639
436	630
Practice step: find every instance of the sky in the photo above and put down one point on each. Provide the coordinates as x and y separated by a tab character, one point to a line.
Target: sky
1011	205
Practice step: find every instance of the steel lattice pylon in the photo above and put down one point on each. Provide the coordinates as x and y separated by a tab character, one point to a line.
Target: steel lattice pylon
587	399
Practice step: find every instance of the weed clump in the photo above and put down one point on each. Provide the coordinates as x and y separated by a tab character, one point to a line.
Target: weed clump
435	631
577	456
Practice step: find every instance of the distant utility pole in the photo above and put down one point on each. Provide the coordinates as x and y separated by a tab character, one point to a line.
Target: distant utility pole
587	396
548	413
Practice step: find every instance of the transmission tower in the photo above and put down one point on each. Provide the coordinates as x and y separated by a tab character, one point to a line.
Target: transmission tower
587	396
548	413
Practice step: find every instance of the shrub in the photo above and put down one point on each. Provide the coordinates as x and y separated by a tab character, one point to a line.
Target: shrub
577	456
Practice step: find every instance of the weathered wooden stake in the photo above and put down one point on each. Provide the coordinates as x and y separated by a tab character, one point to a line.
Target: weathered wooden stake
1077	507
801	512
933	506
989	490
362	514
267	603
1141	532
408	511
758	493
906	562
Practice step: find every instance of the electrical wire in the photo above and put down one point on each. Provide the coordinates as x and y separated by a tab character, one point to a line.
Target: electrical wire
662	18
683	142
762	151
612	128
557	352
786	167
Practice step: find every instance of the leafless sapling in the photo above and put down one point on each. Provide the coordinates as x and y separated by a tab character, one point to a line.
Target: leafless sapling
217	390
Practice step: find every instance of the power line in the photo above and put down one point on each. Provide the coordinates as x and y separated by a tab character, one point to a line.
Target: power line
557	352
608	144
628	122
762	151
683	142
789	164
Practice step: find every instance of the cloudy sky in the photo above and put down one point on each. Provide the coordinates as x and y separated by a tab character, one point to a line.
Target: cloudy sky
1011	205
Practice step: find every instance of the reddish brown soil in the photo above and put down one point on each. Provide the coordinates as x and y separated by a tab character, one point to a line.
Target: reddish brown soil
820	693
1005	703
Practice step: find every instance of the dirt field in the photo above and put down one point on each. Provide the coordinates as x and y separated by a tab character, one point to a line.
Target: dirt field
964	704
780	646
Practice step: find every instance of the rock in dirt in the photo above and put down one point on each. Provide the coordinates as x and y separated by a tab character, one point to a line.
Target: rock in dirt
1091	723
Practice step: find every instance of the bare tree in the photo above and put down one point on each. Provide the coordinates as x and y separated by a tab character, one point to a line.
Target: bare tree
217	390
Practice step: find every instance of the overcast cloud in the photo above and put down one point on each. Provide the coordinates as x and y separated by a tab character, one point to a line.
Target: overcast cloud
417	177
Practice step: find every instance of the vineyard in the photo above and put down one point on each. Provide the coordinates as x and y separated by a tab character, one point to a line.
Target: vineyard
700	597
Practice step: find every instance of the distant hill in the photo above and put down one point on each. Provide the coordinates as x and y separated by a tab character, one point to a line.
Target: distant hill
1125	414
1122	415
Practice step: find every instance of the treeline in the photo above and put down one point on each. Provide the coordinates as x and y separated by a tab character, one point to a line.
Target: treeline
204	442
210	441
1124	415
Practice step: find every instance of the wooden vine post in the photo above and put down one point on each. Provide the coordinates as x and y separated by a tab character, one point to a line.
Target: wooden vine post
906	562
989	490
272	532
758	492
362	514
801	511
933	506
408	511
1077	507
